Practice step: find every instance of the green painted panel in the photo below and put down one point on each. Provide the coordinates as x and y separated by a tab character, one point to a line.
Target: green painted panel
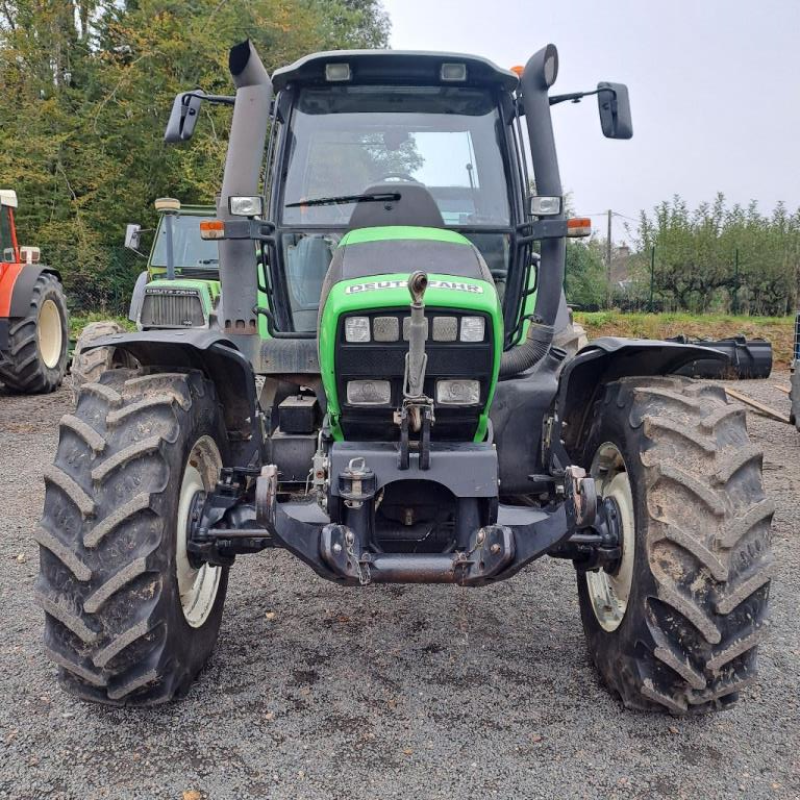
393	233
209	290
391	292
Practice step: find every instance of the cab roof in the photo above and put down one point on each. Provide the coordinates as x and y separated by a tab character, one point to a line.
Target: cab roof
394	66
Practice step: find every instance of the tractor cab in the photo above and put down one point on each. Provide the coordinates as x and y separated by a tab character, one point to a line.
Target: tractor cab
379	139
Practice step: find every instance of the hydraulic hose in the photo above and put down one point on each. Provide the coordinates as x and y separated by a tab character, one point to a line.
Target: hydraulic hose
530	352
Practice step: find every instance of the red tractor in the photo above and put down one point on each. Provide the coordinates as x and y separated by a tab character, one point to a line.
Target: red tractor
34	328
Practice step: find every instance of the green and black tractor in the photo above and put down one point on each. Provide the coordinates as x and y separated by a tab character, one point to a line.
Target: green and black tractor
384	395
179	288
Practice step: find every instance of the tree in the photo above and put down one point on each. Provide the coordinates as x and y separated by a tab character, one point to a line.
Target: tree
87	87
727	258
354	24
585	283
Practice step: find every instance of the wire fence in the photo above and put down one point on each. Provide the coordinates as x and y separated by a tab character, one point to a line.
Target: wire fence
660	280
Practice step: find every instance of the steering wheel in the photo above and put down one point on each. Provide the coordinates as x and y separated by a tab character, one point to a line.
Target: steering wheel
400	176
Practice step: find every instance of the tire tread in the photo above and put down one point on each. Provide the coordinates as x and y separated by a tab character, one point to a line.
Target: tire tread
105	523
707	539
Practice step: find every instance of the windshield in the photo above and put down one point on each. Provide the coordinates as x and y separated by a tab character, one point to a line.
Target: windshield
189	250
345	140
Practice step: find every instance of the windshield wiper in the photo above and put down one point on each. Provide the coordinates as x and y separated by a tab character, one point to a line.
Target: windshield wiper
372	197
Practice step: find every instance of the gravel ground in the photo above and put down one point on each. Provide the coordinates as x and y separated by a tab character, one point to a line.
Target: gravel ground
315	691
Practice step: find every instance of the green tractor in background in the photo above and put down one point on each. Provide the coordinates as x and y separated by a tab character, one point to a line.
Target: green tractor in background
381	394
180	288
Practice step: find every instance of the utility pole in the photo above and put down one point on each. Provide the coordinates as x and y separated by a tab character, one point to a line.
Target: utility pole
652	276
608	260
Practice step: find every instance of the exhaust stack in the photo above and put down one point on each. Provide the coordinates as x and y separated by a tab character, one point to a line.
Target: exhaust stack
538	76
243	166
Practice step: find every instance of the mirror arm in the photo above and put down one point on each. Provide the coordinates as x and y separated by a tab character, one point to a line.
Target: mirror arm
220	99
576	97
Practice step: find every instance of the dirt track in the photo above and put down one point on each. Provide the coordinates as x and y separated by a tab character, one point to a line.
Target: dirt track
392	692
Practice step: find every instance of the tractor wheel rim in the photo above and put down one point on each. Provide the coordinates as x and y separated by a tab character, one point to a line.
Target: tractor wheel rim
198	588
49	334
609	592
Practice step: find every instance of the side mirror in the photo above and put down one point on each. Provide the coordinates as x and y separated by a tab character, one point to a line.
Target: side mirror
183	117
615	110
133	233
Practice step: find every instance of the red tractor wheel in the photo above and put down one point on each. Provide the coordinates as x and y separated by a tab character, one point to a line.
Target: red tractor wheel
36	359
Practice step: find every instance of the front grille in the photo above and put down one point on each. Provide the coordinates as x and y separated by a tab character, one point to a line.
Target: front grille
172	308
383	360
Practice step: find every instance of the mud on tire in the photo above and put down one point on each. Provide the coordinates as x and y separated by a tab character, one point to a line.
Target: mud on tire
28	366
115	624
702	563
88	365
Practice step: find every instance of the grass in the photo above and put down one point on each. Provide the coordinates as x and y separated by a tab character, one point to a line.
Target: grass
778	330
77	322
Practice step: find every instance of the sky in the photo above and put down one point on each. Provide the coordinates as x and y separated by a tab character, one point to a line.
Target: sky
714	89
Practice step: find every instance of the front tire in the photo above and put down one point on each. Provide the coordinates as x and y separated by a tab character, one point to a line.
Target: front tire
88	365
36	360
675	625
128	619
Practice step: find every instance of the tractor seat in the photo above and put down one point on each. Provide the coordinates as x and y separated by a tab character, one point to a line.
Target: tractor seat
416	207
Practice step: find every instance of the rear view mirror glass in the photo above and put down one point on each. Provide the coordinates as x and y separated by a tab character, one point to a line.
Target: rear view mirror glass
183	118
133	234
615	110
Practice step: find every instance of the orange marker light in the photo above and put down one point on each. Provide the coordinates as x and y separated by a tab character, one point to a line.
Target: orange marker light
579	226
518	70
212	229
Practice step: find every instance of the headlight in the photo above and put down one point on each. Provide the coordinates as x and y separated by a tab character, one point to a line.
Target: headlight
356	329
369	393
458	392
472	329
337	72
246	206
386	329
545	206
445	329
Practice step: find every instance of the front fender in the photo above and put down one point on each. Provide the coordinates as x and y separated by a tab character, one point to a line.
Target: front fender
220	360
608	359
19	282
